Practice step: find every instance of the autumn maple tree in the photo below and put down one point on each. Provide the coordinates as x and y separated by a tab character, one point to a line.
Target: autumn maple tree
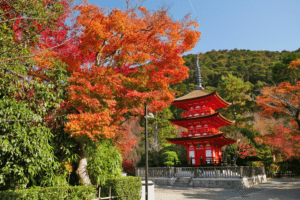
282	100
123	59
282	141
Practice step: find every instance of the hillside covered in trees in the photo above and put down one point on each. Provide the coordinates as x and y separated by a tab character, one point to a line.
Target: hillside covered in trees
257	67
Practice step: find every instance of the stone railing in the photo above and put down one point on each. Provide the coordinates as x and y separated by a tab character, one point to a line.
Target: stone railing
202	172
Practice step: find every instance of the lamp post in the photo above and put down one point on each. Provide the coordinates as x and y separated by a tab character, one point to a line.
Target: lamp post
146	147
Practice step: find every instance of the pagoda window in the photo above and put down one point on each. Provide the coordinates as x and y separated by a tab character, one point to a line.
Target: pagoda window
192	129
198	128
205	130
192	156
208	156
197	110
208	153
191	111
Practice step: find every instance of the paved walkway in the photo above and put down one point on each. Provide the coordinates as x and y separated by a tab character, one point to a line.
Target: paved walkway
273	189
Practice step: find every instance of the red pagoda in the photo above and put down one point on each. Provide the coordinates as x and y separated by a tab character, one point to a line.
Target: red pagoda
203	140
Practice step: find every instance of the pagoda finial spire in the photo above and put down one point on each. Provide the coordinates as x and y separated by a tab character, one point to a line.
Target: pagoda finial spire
199	80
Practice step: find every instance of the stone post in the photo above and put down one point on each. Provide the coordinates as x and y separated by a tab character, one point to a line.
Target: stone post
216	175
241	171
250	171
174	172
195	172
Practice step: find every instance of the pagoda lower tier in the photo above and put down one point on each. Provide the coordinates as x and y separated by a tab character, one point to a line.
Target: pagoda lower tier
207	148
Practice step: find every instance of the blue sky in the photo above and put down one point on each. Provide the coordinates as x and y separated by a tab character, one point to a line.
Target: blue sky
227	24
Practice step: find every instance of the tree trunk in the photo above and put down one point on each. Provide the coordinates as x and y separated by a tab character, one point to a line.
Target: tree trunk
233	113
82	171
297	118
298	122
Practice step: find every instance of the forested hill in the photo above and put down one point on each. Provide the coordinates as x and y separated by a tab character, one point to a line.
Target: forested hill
257	67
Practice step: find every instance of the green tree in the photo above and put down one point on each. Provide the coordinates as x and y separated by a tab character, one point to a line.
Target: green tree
236	91
281	71
26	109
29	104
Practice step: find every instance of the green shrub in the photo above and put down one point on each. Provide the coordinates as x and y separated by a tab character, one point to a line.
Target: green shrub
128	188
168	158
104	161
38	193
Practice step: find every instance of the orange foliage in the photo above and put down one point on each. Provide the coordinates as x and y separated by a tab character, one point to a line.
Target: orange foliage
245	150
137	58
282	141
295	64
284	99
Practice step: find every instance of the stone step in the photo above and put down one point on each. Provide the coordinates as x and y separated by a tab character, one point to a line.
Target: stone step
181	184
182	181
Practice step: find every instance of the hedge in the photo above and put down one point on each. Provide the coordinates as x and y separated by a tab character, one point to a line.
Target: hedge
127	188
69	192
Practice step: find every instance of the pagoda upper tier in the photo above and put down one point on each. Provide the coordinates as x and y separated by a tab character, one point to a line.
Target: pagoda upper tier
215	120
200	102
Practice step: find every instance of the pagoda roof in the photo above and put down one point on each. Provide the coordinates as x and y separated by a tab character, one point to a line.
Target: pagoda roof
193	95
219	139
218	117
199	94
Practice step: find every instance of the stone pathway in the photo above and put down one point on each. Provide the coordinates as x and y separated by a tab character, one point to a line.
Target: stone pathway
274	189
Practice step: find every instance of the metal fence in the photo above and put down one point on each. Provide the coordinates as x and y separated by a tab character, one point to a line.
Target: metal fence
202	172
109	197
